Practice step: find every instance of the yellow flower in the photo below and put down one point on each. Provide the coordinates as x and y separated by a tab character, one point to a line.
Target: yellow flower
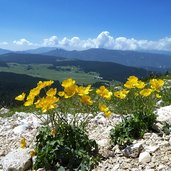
61	93
32	152
107	114
121	94
140	84
53	132
86	100
132	82
158	96
146	92
23	142
104	92
156	84
68	83
29	102
103	108
33	93
47	103
43	84
84	90
21	97
51	92
70	91
132	79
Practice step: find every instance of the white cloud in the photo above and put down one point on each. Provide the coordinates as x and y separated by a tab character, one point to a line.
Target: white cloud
103	40
22	41
52	41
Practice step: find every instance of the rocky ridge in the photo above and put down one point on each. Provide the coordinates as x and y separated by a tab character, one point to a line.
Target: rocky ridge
152	153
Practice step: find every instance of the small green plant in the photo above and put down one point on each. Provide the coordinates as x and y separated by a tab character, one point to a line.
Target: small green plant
66	147
166	96
132	127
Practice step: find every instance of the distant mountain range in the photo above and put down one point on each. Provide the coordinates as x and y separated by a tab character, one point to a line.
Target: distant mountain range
38	50
159	61
150	59
128	58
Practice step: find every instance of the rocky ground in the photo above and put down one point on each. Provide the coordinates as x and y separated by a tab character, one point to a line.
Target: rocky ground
152	153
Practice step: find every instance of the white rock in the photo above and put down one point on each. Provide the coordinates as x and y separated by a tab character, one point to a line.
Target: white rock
17	160
108	129
19	129
3	110
144	157
101	120
151	149
132	150
164	114
165	143
161	166
103	142
115	168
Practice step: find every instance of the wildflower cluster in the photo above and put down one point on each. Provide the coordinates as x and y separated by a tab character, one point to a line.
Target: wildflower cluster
68	115
135	93
138	99
63	110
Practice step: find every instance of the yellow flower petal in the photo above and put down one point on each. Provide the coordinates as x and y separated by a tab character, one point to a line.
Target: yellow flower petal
21	97
23	143
146	92
32	152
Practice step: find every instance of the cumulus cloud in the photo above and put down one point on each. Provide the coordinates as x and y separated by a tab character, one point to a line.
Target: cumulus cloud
103	40
52	41
22	41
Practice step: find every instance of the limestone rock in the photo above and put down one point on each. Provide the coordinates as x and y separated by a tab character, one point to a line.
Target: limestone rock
4	110
17	160
144	157
103	142
164	114
151	149
19	129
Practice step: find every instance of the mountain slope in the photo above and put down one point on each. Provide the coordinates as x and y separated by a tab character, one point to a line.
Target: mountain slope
129	58
4	51
38	50
29	58
12	84
107	70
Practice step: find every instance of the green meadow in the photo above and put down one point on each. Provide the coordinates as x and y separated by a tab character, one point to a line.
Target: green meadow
60	73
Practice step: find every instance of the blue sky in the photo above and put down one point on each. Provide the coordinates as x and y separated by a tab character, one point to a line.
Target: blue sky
27	24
